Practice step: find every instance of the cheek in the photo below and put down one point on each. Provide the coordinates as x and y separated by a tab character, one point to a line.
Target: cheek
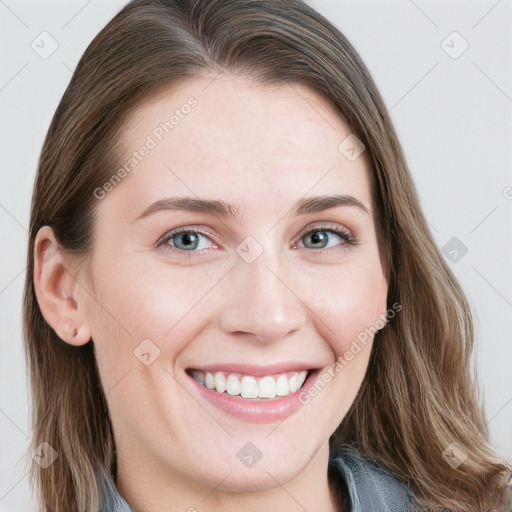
349	303
136	302
345	310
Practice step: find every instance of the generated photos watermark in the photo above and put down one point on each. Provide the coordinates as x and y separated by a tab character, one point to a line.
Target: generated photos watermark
152	140
344	359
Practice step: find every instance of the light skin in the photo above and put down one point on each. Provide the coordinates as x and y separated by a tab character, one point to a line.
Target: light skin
262	149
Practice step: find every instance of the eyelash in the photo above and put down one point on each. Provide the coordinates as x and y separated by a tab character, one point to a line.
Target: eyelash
347	238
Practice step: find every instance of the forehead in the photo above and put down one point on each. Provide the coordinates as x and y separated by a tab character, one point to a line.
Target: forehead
234	139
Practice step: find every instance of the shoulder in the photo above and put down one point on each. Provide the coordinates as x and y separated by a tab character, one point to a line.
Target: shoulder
371	488
504	499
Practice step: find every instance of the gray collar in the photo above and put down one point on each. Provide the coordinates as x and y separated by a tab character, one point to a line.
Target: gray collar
371	489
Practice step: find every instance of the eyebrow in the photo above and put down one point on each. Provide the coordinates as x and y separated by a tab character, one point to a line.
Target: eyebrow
226	210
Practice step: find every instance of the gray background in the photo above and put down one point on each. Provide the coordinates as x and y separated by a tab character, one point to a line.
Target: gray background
452	112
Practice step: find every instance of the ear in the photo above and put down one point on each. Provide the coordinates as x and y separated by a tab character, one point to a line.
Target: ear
58	290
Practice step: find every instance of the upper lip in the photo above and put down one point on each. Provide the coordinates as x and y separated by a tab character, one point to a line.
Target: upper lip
255	370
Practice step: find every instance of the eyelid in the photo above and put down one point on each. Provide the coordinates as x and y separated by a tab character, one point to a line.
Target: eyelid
349	240
324	225
318	226
185	229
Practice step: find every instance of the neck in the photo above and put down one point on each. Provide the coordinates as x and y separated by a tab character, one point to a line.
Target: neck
150	487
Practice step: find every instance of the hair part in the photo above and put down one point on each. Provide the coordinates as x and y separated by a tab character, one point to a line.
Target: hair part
418	395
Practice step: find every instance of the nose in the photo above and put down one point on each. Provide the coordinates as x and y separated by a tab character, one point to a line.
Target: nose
262	301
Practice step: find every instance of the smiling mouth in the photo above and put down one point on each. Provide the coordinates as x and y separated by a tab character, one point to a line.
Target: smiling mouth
250	387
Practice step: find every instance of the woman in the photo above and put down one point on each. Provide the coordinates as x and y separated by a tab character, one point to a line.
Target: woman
192	343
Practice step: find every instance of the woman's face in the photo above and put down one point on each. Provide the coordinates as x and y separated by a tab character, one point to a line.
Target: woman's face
247	299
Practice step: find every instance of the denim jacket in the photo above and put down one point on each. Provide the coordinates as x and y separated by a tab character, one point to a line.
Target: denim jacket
371	489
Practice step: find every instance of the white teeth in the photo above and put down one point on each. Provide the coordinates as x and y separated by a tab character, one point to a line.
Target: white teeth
220	382
282	387
292	382
208	380
249	387
232	385
301	377
267	387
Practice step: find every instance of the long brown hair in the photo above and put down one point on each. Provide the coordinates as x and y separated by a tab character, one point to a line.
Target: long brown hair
419	395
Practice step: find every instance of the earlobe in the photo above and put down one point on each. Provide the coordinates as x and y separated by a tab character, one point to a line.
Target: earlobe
58	291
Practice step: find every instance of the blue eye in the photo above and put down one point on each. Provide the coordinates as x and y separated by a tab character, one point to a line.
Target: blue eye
320	236
188	240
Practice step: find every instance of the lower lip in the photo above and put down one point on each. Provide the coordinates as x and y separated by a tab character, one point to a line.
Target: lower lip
264	410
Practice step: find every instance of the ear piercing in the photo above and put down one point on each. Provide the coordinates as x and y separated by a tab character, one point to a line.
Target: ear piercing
70	332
